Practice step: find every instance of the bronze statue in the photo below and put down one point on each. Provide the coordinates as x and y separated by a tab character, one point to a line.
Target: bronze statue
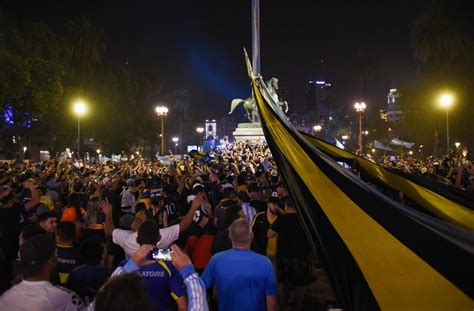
250	105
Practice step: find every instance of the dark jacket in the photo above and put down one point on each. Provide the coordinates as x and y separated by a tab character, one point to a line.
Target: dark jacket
260	228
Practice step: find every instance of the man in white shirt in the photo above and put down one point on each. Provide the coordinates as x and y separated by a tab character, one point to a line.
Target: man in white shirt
35	292
127	239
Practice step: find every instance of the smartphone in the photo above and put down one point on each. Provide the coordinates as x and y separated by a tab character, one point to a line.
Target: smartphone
161	253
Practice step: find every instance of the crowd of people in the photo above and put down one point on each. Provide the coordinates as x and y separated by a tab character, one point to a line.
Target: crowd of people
195	233
214	231
457	170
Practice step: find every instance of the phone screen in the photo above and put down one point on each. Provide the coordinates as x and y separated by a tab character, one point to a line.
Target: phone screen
161	253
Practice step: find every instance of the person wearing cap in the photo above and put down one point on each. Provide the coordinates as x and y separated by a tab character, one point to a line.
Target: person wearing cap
127	239
35	292
260	225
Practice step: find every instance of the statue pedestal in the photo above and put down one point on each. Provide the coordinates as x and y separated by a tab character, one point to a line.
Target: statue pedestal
249	131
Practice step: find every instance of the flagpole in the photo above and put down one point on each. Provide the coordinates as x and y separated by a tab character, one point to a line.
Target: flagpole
256	36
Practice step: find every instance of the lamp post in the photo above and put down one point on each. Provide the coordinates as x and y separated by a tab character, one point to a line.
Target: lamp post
200	130
317	128
162	111
360	108
79	109
446	100
175	140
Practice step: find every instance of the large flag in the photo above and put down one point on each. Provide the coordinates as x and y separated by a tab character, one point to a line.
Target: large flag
444	202
378	254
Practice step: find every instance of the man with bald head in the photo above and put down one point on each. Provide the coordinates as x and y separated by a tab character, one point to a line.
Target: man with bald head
244	279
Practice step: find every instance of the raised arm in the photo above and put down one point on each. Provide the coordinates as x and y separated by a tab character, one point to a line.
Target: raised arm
109	222
188	218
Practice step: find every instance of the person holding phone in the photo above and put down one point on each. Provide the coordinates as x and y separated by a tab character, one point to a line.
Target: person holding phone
164	283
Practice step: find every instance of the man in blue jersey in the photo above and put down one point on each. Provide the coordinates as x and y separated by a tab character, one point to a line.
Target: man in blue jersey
244	279
164	283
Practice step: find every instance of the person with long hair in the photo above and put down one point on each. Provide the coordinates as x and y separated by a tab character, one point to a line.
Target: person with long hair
93	220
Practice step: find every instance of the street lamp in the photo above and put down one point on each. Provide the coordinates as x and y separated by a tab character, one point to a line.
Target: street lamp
360	108
175	140
445	101
80	109
200	130
317	128
345	137
162	111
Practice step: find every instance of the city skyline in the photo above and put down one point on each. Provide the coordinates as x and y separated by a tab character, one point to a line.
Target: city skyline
203	46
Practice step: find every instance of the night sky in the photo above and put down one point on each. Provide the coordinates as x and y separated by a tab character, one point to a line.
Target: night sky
198	44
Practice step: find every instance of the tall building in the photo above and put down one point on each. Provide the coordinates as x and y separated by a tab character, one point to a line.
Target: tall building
210	129
317	100
394	113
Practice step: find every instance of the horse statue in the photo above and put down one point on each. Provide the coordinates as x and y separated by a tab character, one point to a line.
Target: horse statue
250	105
272	86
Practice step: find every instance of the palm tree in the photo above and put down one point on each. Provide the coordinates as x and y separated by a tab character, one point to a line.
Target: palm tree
437	37
86	47
181	105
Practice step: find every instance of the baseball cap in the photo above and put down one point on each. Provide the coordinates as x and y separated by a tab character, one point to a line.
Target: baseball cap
130	183
197	185
227	185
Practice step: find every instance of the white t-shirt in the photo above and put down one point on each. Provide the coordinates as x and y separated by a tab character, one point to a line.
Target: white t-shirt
127	239
39	296
128	201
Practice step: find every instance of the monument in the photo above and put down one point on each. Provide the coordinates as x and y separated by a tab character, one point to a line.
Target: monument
252	130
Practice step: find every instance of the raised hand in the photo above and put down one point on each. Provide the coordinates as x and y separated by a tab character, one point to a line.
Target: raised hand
178	258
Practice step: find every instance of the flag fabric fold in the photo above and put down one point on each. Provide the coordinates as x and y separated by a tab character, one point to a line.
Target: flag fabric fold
447	204
378	254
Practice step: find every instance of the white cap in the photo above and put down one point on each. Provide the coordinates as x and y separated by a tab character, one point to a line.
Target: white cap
227	185
198	185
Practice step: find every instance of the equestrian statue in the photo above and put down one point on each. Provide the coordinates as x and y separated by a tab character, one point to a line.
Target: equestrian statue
250	105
